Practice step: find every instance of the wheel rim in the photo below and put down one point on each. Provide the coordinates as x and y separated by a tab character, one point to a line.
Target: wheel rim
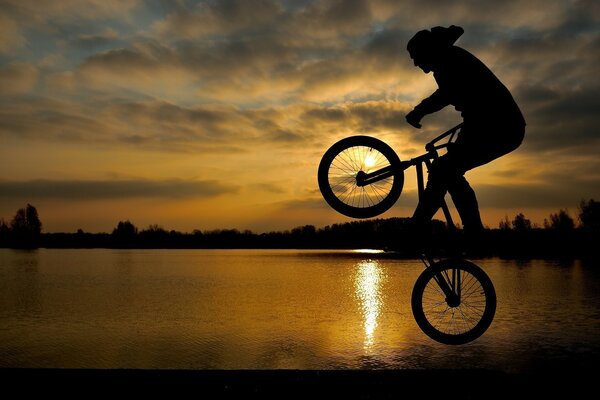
472	315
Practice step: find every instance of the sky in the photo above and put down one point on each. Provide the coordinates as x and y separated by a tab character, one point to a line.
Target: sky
215	114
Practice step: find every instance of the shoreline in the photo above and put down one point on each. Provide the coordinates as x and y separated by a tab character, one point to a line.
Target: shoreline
371	253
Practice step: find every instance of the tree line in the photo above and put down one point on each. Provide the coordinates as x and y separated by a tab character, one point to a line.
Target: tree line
560	235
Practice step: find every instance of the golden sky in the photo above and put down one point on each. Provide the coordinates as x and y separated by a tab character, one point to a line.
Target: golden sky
214	114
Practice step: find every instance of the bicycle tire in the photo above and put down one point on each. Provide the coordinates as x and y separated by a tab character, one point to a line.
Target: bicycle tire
339	167
473	317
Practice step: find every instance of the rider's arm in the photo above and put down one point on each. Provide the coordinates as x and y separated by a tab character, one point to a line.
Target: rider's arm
433	103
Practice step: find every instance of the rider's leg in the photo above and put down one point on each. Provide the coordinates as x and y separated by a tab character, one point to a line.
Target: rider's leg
466	204
463	158
429	204
443	171
467	157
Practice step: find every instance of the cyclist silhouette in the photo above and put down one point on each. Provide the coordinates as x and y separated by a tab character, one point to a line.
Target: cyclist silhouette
492	122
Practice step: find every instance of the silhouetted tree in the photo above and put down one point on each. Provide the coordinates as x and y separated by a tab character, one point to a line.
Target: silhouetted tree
306	230
560	221
505	223
33	220
26	227
19	222
304	236
154	235
124	233
154	230
589	215
125	228
520	223
4	231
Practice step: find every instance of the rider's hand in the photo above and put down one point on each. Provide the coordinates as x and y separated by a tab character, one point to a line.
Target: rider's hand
414	118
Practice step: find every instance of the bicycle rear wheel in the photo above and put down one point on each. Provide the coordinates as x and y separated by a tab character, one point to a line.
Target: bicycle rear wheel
456	322
342	164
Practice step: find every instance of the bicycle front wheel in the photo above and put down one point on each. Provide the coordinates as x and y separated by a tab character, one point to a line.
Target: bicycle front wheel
454	319
342	165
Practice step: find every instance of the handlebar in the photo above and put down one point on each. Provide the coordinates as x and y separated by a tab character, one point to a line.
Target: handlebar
430	147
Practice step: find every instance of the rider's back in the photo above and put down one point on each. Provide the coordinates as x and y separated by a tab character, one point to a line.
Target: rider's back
470	86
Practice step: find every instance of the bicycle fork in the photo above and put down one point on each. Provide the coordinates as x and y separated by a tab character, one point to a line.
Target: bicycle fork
450	284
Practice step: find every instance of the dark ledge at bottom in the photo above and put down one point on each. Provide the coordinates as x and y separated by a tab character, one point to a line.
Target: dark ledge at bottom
451	383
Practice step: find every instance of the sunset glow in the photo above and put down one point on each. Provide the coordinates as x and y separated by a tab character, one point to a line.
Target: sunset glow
215	114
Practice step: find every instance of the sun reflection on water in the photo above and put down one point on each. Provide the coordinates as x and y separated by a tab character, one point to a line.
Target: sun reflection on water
367	251
367	283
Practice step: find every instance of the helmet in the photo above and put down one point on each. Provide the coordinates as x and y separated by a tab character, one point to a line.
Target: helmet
438	38
420	43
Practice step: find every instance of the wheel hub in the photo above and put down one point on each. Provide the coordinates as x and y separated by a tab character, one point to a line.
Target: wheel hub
453	301
360	178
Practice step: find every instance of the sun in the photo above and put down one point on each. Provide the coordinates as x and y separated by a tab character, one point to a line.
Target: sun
370	160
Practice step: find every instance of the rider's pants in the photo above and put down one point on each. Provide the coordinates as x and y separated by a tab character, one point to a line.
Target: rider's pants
446	174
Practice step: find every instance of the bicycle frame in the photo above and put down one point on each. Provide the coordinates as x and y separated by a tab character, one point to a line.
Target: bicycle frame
450	285
418	162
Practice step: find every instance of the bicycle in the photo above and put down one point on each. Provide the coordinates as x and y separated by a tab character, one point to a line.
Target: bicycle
453	300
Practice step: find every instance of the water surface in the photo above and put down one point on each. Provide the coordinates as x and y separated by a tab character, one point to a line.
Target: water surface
274	309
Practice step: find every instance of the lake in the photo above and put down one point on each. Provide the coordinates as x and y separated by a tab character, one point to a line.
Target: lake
278	309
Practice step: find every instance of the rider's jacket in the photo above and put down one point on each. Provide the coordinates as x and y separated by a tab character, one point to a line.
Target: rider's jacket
467	84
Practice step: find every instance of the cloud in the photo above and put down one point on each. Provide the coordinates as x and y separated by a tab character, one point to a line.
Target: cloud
145	68
35	12
101	39
146	125
117	189
370	116
50	120
269	188
11	37
24	22
316	19
141	56
164	126
18	78
570	121
217	17
523	196
307	53
499	16
244	52
552	180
